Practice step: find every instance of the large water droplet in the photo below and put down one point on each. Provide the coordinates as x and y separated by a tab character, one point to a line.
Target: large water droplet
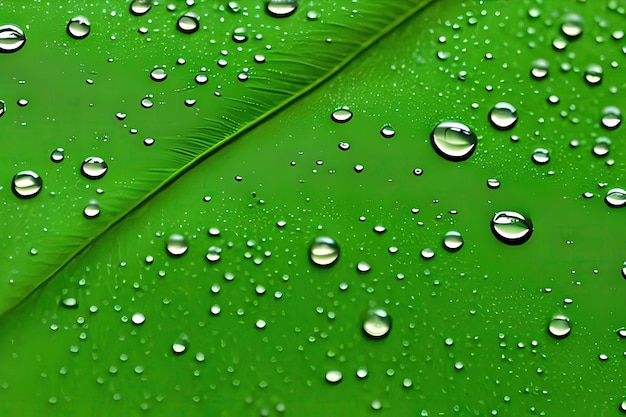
453	241
539	69
281	8
188	23
572	25
94	168
541	156
176	245
334	377
92	210
593	74
559	326
503	116
324	251
12	38
453	141
511	227
140	7
615	197
341	115
158	74
377	323
78	27
138	319
26	184
611	117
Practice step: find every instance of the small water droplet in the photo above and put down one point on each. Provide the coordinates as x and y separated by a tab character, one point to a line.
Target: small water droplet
539	69
503	116
593	74
181	344
138	318
148	141
69	302
541	156
453	241
493	183
239	35
511	227
377	323
92	210
358	168
363	267
453	141
344	146
418	171
22	102
259	59
146	103
559	327
12	38
572	25
26	184
78	27
281	8
615	197
622	406
312	15
324	251
611	117
601	147
341	115
387	131
140	7
213	254
176	245
188	23
57	155
334	377
158	74
94	168
3	108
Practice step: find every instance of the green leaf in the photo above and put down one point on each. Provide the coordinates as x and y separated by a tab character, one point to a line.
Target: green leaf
243	323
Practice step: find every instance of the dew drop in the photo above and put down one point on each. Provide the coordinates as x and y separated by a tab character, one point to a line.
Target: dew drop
213	254
615	197
453	141
78	27
559	327
281	8
622	406
158	74
624	276
138	318
493	183
363	267
511	227
57	155
611	117
539	69
601	147
12	39
387	131
259	59
427	253
334	377
572	26
176	245
452	241
239	35
148	141
188	23
92	210
69	302
324	251
503	116
140	7
94	168
3	108
26	184
377	323
344	146
146	103
341	115
181	344
593	74
541	156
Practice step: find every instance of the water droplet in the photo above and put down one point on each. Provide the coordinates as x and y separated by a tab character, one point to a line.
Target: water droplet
593	74
158	74
57	155
363	267
213	254
176	245
377	323
188	23
146	103
572	25
148	141
181	344
259	59
453	141
511	227
427	253
503	116
615	197
92	210
624	276
602	147
281	8
559	327
12	38
324	251
239	35
539	69
493	183
559	43
140	7
334	377
69	302
611	117
541	156
138	318
358	168
344	146
622	406
387	131
190	102
78	27
3	108
26	184
418	171
94	168
341	115
453	241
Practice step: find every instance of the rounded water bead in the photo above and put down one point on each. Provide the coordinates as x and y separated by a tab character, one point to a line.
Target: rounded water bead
334	377
158	74
602	147
281	8
453	141
559	327
377	323
188	23
57	155
341	115
511	227
611	117
503	116
572	26
615	197
94	168
12	39
176	245
140	7
453	241
324	251
26	184
387	131
540	156
539	69
593	74
78	27
92	210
